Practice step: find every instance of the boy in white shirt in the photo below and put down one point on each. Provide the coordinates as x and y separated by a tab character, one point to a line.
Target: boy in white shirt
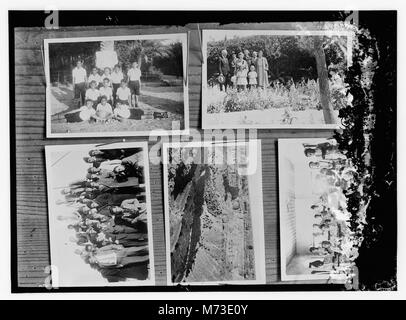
92	93
123	101
123	95
116	77
107	91
104	111
134	78
79	79
94	76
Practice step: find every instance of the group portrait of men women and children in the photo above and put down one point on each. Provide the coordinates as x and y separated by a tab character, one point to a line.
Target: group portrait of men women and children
257	79
106	212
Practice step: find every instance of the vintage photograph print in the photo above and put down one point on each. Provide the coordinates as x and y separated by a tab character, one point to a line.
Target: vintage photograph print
214	213
116	86
315	236
274	78
100	215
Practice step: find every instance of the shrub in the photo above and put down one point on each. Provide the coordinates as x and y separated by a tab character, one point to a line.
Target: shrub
298	96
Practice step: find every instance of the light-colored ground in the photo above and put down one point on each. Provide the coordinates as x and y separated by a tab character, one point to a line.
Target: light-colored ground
299	265
277	114
266	117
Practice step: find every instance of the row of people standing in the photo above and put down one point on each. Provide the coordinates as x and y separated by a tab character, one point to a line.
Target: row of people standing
243	70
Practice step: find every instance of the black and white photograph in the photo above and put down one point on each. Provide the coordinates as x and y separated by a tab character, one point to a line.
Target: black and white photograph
116	86
167	153
275	78
316	241
100	215
213	213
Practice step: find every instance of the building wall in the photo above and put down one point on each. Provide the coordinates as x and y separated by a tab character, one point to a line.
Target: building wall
290	213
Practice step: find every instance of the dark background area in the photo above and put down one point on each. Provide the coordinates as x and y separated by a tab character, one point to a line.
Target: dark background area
377	261
378	254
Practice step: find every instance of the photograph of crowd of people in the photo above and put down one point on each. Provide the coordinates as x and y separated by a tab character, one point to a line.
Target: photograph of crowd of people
213	213
316	240
106	86
100	215
274	78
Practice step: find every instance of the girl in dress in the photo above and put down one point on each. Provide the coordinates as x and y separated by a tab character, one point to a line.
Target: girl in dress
262	70
252	78
241	72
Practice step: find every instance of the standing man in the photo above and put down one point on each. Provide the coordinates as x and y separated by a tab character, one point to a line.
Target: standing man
79	79
248	57
224	70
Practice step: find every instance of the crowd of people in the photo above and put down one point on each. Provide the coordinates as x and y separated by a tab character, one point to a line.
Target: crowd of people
333	242
242	71
107	95
110	218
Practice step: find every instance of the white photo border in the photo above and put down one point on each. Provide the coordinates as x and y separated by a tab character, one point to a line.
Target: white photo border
183	37
51	206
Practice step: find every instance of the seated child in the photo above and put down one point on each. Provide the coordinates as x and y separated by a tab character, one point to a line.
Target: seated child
92	93
103	111
122	111
107	91
123	94
252	78
84	113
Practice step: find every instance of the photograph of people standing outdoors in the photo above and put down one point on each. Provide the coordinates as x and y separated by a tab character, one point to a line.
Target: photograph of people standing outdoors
100	215
115	86
274	78
319	240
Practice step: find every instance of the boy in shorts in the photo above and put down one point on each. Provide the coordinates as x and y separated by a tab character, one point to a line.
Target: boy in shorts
134	78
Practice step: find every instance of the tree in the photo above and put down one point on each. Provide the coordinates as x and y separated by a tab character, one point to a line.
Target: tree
172	63
63	57
315	45
286	58
324	87
141	51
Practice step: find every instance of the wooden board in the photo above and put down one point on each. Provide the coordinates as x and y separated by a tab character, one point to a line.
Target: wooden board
32	222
